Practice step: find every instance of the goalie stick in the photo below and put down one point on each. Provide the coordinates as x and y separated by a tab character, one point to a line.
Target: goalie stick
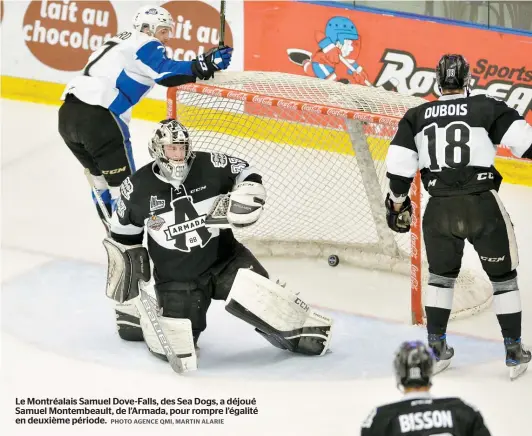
174	361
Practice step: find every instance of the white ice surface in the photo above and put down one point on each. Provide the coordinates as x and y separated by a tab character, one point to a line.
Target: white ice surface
58	338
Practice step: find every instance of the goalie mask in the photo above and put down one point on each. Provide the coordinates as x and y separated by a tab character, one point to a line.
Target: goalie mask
452	72
413	365
170	147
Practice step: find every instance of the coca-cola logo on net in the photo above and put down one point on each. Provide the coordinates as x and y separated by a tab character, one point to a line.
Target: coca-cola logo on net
197	29
388	121
342	113
190	87
363	117
62	34
413	246
213	91
413	277
288	104
267	101
312	108
242	96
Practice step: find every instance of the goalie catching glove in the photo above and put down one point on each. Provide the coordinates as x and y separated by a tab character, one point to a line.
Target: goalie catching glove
399	221
240	208
127	264
246	203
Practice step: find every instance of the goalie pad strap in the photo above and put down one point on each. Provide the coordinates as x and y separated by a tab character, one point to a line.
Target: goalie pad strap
127	264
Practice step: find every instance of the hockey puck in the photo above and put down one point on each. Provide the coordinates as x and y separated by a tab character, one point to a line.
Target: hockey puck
333	260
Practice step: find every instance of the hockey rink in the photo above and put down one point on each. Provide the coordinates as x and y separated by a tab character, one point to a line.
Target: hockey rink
59	340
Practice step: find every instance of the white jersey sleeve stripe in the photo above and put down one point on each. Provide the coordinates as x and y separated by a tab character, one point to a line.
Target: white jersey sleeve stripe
121	229
401	161
518	137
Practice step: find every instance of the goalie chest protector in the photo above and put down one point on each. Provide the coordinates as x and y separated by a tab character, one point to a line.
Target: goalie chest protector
180	245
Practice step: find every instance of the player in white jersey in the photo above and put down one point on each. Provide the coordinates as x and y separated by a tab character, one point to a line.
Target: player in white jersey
94	118
452	142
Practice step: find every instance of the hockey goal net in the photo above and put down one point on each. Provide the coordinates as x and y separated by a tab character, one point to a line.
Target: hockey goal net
321	148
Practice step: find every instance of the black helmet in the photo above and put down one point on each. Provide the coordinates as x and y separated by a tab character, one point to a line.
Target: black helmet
452	72
413	365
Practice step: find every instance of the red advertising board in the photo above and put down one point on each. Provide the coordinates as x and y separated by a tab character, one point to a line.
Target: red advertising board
351	46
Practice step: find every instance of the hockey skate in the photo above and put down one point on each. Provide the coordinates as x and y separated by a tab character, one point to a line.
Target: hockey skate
517	357
442	352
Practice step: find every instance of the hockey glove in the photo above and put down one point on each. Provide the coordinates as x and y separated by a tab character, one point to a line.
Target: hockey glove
215	59
398	221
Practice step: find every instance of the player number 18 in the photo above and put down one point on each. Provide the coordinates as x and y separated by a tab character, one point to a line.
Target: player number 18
457	136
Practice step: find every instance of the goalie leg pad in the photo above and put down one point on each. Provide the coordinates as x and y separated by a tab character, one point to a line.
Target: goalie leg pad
278	313
128	321
161	331
127	264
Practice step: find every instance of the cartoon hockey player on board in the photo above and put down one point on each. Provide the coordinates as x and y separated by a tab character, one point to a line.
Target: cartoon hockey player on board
339	47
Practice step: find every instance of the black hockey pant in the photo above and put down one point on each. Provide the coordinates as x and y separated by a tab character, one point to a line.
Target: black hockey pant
192	299
99	139
482	220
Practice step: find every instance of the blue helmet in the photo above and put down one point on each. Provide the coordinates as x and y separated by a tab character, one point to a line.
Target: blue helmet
339	29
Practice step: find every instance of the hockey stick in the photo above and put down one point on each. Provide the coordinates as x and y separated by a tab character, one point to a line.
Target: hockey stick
299	56
151	310
222	23
353	69
174	361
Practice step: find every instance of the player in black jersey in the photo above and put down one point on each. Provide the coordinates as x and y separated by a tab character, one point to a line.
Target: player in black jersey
418	413
196	257
452	142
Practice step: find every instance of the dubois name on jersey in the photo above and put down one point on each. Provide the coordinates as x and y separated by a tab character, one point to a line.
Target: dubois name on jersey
179	244
452	142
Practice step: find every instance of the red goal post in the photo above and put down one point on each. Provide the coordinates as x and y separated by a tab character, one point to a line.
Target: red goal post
304	135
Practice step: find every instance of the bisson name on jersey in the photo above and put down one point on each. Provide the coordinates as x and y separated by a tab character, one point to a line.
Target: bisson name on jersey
425	420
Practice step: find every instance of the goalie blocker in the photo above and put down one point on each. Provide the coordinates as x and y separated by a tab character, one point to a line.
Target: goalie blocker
278	314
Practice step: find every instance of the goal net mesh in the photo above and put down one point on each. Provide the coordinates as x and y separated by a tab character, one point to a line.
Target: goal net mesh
320	147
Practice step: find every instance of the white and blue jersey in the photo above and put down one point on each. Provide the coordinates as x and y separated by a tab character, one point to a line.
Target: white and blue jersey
123	70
